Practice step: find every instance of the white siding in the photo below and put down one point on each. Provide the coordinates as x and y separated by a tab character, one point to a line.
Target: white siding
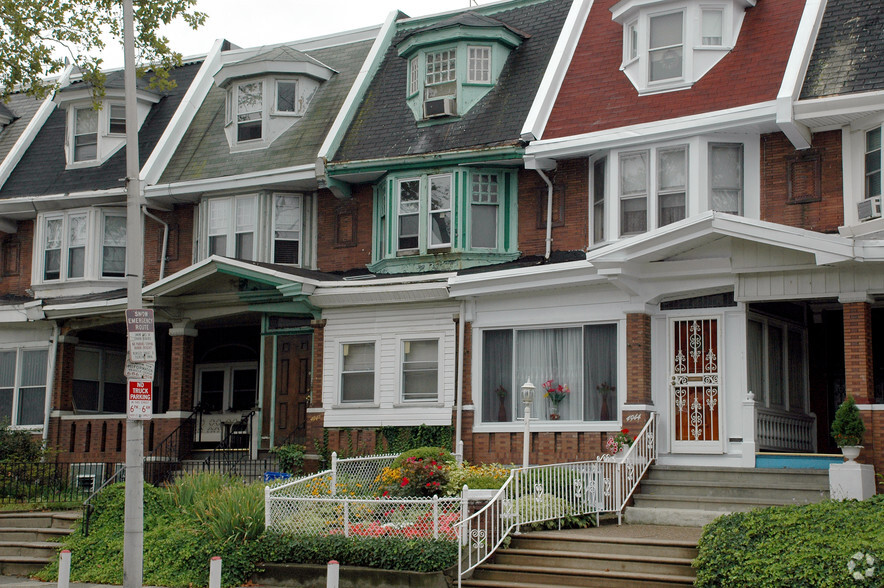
821	282
387	327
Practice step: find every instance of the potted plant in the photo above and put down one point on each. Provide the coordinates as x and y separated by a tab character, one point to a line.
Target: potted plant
619	443
555	394
848	429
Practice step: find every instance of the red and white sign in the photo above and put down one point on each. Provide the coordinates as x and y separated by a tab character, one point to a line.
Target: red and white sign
140	400
140	331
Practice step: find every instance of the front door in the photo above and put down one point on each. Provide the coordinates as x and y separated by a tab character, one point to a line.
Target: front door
292	388
695	399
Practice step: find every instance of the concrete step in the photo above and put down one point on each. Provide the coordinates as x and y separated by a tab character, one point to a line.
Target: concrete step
569	560
677	517
735	476
713	503
28	548
797	492
32	534
22	566
540	576
40	520
624	546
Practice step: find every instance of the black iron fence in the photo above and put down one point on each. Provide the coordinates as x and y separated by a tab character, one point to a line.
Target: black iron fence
51	482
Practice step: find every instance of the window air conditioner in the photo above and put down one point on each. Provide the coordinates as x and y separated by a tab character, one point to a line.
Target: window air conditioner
440	107
869	208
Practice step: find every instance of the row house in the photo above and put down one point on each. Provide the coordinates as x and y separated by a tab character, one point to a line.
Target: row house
668	206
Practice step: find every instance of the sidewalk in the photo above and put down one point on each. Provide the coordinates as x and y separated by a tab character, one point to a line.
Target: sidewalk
21	582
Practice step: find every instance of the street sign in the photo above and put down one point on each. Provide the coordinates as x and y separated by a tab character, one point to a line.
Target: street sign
141	337
140	400
139	371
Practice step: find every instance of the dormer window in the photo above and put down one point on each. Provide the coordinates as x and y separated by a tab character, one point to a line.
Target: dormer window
249	108
286	96
454	64
85	134
670	44
117	120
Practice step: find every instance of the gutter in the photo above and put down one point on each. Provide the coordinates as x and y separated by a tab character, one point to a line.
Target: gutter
274	176
549	203
165	239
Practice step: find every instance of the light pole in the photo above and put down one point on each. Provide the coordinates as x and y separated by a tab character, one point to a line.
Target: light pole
527	401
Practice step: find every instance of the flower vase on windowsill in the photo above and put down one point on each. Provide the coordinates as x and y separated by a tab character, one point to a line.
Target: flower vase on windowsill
604	389
555	394
501	409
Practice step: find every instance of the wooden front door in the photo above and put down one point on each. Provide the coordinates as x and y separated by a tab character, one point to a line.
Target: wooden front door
293	355
695	403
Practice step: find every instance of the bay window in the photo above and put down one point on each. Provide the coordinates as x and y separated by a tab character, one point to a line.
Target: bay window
357	372
85	134
286	96
633	193
671	184
409	213
23	386
479	65
232	225
583	358
643	206
666	47
286	228
249	111
484	208
711	27
726	177
420	370
598	199
440	211
81	244
873	163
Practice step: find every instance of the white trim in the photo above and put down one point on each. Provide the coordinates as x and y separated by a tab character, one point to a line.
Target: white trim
357	90
871	407
191	102
843	105
555	275
796	68
663	130
30	132
240	181
557	68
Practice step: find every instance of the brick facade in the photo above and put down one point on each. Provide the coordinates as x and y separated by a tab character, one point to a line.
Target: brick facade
181	381
803	189
570	208
638	358
338	222
179	250
858	373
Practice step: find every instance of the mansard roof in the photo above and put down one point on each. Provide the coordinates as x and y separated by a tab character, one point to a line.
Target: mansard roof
596	96
205	153
384	126
41	170
22	109
849	53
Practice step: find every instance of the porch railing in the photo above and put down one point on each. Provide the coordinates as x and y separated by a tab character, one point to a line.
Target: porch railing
227	455
165	458
780	430
548	492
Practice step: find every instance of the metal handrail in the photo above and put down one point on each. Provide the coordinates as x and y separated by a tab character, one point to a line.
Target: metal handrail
221	454
169	451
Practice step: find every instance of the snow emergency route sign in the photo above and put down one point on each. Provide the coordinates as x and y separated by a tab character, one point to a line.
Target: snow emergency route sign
140	331
140	400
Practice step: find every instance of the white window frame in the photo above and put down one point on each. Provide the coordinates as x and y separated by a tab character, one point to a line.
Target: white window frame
94	245
15	408
481	199
662	191
479	62
414	81
442	211
233	228
237	112
111	119
869	154
227	393
683	46
404	347
652	191
343	348
598	201
74	134
630	42
400	214
441	66
275	107
300	240
709	10
742	188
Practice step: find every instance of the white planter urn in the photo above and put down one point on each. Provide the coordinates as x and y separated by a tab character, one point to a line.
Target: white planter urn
851	452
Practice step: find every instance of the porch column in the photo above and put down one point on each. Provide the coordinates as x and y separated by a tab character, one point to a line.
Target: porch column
63	391
181	371
638	371
858	368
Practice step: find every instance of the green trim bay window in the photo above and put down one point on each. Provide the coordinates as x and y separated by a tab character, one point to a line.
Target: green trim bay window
444	219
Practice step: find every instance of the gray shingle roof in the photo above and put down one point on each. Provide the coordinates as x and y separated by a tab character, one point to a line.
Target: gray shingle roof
849	52
283	53
5	112
204	152
23	107
385	127
42	170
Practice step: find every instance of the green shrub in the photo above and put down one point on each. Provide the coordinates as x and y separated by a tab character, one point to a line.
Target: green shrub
420	555
848	427
19	446
399	439
291	458
486	476
439	454
796	546
417	477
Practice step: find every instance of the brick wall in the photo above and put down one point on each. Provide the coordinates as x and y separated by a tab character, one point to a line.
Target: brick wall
16	250
181	379
179	252
873	442
570	191
315	421
858	374
816	202
104	440
344	230
638	358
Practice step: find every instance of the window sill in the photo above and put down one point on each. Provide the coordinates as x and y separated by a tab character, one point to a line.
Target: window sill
354	405
419	404
665	87
548	426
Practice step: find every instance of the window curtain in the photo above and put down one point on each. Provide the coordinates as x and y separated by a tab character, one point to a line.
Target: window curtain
32	393
499	395
7	384
600	357
551	354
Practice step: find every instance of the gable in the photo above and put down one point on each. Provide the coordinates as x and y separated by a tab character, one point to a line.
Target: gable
597	96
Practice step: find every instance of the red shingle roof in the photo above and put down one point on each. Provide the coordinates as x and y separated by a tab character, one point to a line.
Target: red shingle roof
596	95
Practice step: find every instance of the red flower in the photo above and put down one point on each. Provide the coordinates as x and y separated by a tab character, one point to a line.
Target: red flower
624	431
386	493
404	482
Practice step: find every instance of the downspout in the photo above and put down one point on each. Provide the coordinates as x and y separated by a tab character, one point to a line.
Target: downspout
549	204
458	434
50	382
165	239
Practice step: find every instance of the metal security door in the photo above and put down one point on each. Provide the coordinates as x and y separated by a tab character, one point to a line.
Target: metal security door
696	396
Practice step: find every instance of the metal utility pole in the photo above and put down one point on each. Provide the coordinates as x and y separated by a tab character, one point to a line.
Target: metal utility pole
133	530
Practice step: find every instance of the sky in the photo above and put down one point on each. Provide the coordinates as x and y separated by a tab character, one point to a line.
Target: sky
263	22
